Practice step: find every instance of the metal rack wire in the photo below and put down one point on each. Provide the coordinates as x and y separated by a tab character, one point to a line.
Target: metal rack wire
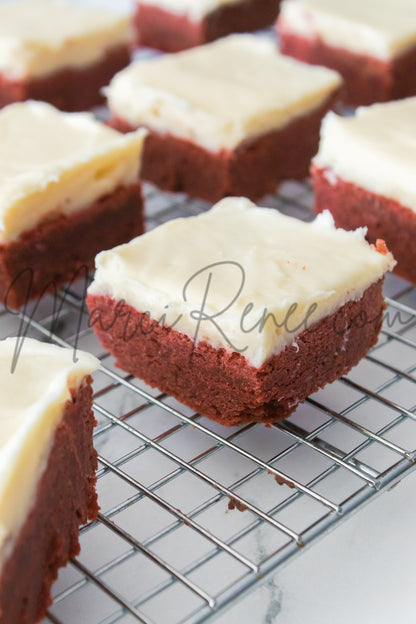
167	546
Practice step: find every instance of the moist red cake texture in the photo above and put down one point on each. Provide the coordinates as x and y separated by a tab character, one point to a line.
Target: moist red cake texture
52	252
69	89
223	385
157	28
252	170
367	79
353	207
65	499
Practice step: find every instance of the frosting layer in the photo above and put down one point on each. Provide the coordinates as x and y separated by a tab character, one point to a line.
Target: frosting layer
38	37
375	149
55	163
221	93
194	10
378	28
219	276
32	399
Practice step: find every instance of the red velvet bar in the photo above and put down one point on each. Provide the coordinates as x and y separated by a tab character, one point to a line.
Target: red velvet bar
252	170
367	79
65	499
71	88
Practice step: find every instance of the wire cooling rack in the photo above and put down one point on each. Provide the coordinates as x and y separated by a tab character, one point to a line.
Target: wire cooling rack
167	546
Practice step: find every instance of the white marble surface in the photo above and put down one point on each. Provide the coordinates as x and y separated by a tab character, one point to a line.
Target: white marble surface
363	572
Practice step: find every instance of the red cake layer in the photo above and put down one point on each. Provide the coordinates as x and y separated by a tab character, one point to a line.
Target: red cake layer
223	385
158	28
71	88
353	207
65	499
55	249
252	170
367	79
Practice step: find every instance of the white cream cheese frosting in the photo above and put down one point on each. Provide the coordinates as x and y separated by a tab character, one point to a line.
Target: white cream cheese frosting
32	400
54	163
221	93
214	277
375	149
38	37
380	28
194	9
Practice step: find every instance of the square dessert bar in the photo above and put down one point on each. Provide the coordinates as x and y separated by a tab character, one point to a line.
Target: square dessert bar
371	43
364	174
59	52
174	25
232	117
241	312
69	188
47	470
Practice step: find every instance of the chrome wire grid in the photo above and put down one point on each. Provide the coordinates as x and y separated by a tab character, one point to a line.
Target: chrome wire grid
166	548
